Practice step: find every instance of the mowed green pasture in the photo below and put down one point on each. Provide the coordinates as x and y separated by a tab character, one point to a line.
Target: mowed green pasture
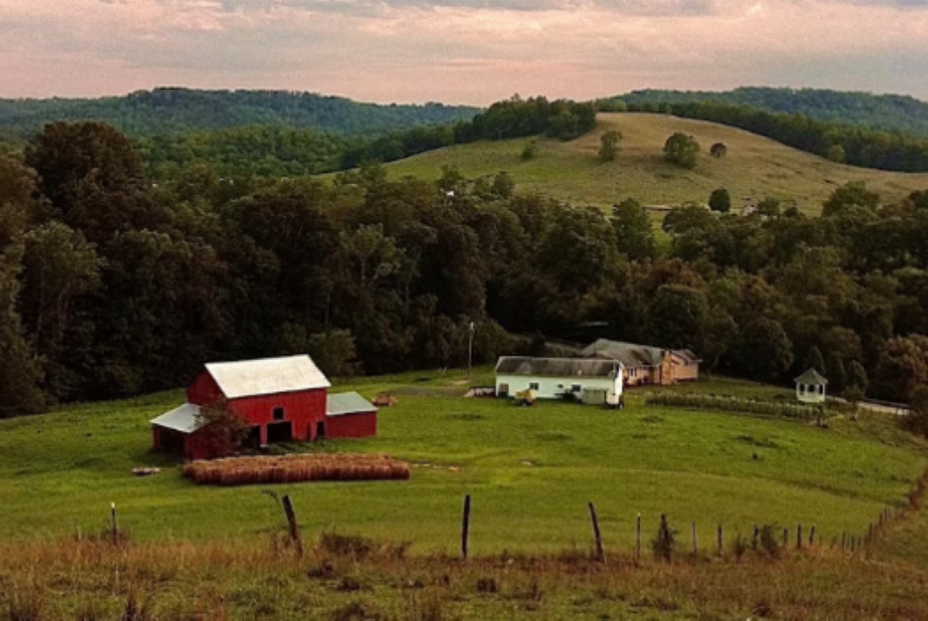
754	168
530	471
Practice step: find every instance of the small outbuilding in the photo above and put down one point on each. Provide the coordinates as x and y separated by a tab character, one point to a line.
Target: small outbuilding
810	387
587	380
281	399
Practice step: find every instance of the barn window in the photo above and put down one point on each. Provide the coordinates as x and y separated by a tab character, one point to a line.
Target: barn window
533	386
575	388
278	413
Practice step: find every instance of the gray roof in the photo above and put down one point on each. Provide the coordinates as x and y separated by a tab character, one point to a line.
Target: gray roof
267	376
632	355
557	367
347	403
183	419
811	377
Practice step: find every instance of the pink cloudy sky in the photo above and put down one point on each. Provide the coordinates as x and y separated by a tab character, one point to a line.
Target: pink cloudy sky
460	51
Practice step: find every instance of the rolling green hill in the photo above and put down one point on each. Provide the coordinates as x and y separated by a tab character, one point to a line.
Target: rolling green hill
753	169
178	110
888	112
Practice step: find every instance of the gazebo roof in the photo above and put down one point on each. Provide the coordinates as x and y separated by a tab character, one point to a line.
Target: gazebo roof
811	377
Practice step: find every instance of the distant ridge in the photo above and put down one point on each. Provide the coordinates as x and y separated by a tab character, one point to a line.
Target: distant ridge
182	110
886	112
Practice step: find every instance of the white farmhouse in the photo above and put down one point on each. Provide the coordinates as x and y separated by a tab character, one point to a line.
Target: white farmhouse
589	380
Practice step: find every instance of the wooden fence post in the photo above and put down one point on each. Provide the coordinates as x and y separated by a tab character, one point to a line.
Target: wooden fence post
719	540
638	538
600	553
465	526
291	522
812	536
785	537
799	537
114	527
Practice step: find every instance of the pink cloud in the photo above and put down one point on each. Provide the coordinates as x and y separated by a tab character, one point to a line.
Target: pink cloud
472	51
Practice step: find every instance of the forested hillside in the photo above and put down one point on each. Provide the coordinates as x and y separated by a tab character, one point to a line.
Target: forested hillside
179	110
112	286
273	151
887	112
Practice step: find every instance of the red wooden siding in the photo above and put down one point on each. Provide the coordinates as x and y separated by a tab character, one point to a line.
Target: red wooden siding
360	425
304	409
203	390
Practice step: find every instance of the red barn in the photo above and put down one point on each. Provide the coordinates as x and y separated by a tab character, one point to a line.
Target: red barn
281	398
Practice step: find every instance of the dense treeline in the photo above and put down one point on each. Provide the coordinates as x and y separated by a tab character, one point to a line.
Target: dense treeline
180	110
261	151
110	286
886	112
855	145
512	118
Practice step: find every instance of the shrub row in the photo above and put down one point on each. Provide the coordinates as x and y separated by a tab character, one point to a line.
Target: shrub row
733	404
295	469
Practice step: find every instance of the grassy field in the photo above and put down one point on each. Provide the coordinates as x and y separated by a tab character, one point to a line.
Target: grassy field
530	471
754	168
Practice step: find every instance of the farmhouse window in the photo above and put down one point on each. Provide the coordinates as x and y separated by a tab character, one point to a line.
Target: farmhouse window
575	388
278	413
533	386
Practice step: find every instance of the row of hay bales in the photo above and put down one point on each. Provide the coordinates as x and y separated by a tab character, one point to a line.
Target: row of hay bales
295	469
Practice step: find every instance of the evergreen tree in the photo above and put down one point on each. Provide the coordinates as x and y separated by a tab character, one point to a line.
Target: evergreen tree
815	361
720	200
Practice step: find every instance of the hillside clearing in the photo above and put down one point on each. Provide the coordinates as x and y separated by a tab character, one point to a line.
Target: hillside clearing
754	168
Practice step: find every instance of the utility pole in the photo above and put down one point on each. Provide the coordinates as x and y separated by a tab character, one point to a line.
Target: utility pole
470	348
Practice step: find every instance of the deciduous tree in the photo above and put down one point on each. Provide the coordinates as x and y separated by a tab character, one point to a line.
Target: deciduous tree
609	145
718	150
764	351
633	231
682	150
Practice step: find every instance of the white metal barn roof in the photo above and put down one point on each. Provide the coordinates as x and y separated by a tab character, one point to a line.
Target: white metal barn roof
267	376
183	419
347	403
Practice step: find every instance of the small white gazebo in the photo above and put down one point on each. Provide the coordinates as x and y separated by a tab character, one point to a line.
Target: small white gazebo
810	387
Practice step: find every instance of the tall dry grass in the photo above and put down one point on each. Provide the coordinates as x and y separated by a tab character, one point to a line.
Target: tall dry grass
351	577
295	469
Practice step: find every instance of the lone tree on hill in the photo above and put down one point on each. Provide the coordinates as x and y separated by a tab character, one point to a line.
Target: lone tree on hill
836	154
681	150
529	151
609	145
720	200
718	150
